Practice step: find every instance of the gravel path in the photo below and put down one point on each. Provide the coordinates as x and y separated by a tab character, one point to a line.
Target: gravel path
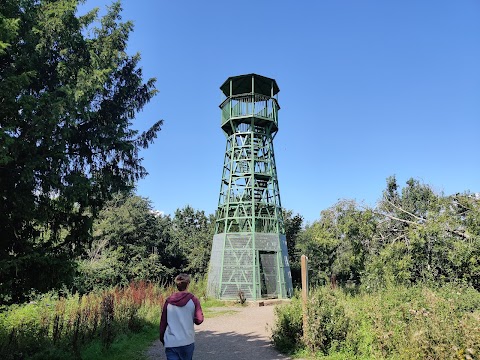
241	334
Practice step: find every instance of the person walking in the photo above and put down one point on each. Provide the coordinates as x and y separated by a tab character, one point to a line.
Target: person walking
180	311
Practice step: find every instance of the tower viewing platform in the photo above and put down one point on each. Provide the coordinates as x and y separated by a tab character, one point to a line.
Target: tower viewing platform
250	96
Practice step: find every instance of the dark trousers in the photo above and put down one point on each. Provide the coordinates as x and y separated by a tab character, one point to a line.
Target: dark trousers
180	352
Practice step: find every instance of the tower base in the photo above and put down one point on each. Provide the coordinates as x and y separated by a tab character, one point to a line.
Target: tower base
254	265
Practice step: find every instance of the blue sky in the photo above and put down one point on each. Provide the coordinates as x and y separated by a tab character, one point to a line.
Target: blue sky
368	89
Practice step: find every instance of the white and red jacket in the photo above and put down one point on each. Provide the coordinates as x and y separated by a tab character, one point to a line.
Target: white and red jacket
180	311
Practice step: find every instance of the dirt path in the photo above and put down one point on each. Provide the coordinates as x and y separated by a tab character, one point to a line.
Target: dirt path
241	334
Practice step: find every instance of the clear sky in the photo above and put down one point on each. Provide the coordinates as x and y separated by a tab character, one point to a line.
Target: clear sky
368	89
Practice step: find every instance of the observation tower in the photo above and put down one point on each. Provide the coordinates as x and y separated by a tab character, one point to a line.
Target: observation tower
249	250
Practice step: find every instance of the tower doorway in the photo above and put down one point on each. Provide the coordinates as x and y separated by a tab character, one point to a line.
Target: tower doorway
268	274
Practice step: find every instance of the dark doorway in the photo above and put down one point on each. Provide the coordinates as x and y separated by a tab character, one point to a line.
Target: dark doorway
268	274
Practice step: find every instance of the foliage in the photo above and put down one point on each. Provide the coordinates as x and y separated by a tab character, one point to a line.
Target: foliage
424	237
412	236
8	28
124	347
69	93
192	235
111	324
287	331
130	243
396	323
336	244
327	324
293	228
54	325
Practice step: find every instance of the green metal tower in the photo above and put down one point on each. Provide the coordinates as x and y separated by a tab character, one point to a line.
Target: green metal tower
249	251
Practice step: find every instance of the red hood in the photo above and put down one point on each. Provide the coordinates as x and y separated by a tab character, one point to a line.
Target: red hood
179	298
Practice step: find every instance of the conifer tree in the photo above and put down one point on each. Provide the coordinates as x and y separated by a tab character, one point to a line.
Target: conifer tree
68	95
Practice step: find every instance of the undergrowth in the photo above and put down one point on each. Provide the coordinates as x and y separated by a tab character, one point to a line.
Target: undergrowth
96	325
395	323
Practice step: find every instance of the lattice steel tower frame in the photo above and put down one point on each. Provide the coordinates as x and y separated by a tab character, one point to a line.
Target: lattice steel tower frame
249	251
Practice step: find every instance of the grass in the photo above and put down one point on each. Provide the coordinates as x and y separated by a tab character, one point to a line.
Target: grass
125	347
396	323
213	308
135	346
118	323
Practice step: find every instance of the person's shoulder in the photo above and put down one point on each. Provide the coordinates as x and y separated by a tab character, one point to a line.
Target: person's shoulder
171	298
195	299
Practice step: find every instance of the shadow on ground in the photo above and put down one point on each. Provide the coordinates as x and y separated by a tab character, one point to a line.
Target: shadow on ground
211	345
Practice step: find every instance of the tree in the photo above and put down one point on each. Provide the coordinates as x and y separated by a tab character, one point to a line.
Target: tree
68	95
338	243
8	28
293	228
192	234
412	236
424	237
129	243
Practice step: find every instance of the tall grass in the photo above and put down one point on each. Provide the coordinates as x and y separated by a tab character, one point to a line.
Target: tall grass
395	323
60	328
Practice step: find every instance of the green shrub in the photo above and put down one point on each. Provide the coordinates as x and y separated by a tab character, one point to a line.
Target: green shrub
423	323
199	287
395	323
327	322
287	331
50	327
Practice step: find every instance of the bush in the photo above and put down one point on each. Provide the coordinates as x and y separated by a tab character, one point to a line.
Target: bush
287	331
424	323
395	323
327	323
50	327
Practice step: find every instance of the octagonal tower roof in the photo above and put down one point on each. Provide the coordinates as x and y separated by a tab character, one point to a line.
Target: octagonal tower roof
243	84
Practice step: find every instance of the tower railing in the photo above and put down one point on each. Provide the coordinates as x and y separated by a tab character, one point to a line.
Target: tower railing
245	105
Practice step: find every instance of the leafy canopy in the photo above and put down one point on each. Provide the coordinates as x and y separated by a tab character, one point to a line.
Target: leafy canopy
68	93
413	235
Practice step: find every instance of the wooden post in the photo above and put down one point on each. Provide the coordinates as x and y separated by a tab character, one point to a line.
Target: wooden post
304	264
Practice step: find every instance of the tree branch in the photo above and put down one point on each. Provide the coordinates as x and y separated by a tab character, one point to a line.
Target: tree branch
398	219
405	211
456	232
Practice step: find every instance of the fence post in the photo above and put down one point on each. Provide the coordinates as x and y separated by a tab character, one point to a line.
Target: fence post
304	264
